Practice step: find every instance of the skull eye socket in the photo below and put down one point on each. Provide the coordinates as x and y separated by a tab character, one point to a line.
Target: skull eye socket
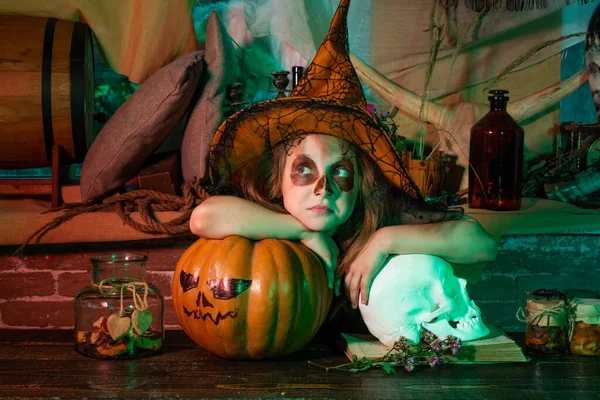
228	288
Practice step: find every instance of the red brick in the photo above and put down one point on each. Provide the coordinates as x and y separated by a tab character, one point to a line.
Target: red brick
71	261
170	317
39	314
162	281
164	259
10	263
70	283
26	284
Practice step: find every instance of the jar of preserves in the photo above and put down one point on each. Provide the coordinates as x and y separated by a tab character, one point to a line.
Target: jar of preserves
546	332
120	314
585	335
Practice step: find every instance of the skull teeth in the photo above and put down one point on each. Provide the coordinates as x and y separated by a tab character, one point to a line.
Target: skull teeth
471	321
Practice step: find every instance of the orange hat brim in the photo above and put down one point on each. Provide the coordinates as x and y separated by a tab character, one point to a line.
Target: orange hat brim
258	128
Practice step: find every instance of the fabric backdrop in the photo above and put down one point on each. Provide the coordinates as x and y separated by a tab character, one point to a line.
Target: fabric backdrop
137	37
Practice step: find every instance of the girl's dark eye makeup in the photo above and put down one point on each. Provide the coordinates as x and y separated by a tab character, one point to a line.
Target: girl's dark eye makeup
305	172
345	179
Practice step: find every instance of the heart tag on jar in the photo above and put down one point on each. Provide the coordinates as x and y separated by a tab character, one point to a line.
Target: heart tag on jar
142	320
118	326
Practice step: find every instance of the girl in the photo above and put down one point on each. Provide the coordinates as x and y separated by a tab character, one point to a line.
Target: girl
329	195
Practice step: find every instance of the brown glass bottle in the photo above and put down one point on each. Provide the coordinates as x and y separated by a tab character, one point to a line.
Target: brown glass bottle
496	157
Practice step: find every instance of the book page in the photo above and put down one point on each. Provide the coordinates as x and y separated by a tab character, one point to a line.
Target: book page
495	347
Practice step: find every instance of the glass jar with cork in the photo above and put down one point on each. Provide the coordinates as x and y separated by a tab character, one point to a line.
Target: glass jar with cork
120	314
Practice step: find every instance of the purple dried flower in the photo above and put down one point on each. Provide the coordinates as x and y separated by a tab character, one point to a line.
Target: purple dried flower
455	349
427	336
371	109
435	360
402	344
409	367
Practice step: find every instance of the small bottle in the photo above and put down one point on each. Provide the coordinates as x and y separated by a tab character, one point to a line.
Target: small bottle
120	314
546	332
496	158
585	338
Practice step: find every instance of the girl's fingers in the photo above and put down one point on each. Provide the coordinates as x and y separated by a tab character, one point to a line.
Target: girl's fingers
354	290
364	291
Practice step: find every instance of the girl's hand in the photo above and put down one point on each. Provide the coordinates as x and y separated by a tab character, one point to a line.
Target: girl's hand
364	269
324	246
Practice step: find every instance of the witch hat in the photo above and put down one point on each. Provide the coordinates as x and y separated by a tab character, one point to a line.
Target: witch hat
328	100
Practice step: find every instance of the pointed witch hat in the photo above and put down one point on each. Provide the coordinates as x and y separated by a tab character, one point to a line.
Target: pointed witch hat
328	100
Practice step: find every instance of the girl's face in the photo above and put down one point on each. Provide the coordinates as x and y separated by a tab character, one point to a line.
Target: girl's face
320	182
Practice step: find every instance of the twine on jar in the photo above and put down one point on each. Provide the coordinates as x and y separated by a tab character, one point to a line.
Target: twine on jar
139	302
563	307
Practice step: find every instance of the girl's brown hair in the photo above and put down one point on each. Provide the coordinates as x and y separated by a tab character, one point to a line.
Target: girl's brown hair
259	180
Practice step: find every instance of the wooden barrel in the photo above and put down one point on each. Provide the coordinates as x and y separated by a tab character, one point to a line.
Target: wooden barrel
46	90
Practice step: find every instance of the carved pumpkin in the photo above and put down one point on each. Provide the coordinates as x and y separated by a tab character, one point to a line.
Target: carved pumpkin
245	299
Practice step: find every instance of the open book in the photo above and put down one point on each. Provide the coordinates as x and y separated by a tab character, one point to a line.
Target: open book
496	347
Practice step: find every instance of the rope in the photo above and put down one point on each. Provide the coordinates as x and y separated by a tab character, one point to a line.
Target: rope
138	302
146	202
557	309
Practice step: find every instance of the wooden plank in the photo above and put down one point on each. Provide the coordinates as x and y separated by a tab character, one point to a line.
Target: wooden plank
40	363
26	186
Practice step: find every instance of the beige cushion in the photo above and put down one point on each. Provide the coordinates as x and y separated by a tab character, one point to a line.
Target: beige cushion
208	113
139	126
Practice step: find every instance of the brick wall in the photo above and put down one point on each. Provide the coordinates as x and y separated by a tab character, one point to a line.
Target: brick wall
570	263
37	290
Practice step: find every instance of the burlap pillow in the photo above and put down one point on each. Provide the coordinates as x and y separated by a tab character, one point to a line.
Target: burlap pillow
208	114
139	126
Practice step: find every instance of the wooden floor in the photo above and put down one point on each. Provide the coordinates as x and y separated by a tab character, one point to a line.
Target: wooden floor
43	363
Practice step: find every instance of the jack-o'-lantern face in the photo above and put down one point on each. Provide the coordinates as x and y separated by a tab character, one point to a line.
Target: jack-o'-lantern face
246	299
212	298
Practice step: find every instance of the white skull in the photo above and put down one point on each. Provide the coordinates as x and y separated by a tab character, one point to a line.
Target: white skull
416	291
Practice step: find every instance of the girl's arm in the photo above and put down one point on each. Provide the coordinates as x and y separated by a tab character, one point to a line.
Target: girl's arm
220	216
462	242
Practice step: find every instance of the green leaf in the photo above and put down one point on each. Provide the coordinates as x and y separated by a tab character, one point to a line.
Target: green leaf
142	320
388	368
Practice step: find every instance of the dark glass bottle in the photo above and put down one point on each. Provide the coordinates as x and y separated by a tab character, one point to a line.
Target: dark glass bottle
496	157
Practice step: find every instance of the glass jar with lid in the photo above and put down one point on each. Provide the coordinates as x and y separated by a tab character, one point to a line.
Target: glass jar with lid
585	335
546	332
120	314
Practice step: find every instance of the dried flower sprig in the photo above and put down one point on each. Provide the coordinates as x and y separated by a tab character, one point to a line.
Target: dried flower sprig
430	351
389	125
